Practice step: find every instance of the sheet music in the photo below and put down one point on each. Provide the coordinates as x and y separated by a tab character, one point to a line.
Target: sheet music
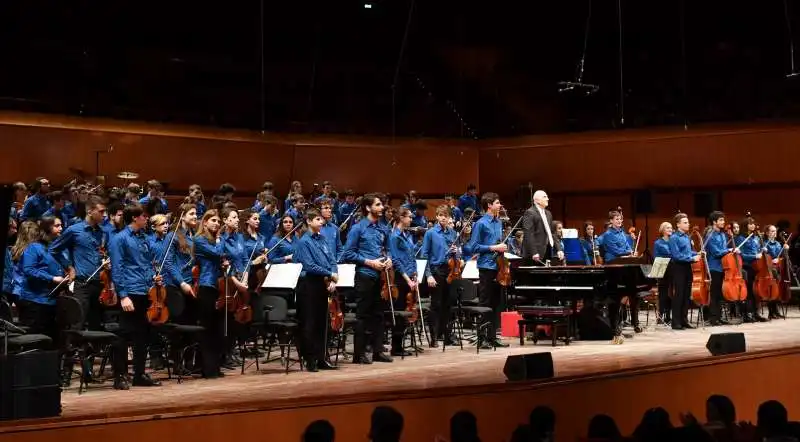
470	270
347	275
421	263
569	233
659	268
282	276
511	256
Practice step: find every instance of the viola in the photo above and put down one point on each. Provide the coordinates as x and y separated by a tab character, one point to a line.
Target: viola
411	305
503	270
157	312
701	277
389	290
335	310
195	278
455	267
108	297
734	287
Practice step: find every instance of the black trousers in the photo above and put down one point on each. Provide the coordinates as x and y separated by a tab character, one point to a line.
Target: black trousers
135	328
10	298
88	294
440	303
749	278
682	283
312	313
489	296
212	340
715	301
664	298
369	314
40	318
616	278
400	304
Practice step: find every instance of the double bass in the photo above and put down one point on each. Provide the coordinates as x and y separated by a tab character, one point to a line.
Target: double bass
734	287
701	277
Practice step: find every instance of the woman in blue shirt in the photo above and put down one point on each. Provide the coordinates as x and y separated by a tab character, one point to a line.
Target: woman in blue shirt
589	243
751	251
283	252
661	250
401	247
39	274
209	250
775	249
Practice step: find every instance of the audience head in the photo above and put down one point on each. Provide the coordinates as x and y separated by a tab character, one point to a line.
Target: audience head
542	422
464	427
319	431
387	425
603	426
720	409
773	419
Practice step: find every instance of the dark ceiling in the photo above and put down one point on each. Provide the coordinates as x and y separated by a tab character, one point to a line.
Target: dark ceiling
328	66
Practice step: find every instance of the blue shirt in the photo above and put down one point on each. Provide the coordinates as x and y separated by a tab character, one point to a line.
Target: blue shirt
131	263
331	234
180	263
37	268
234	251
457	214
749	249
716	248
345	209
278	252
34	207
436	246
164	205
60	214
82	242
616	243
268	223
296	216
366	240
774	248
313	252
661	248
253	247
201	208
209	258
8	272
467	200
158	248
587	251
401	246
680	248
487	232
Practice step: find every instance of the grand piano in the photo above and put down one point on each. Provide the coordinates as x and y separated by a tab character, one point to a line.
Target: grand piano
551	295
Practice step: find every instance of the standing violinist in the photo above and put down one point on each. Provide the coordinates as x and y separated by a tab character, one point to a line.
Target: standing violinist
487	242
235	253
751	251
616	244
438	246
208	251
83	243
661	250
774	249
366	247
317	282
401	246
716	248
133	276
680	249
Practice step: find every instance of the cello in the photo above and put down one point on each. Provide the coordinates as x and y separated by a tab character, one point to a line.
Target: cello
787	272
734	287
765	285
701	277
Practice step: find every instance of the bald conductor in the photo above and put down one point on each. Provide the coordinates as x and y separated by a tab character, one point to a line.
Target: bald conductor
539	243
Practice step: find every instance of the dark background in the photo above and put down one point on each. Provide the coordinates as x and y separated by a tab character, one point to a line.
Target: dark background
329	65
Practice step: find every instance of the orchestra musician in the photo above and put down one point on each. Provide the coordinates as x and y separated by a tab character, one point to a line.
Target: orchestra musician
588	243
455	211
751	251
616	245
329	230
401	247
208	252
775	250
133	275
155	192
558	230
197	198
682	257
114	223
438	245
539	244
7	293
716	248
317	282
366	247
469	200
283	252
38	203
79	250
487	242
661	250
268	215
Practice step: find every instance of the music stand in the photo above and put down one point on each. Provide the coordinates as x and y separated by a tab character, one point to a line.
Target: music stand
7	328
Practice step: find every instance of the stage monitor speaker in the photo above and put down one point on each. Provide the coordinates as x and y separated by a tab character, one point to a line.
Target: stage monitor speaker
726	343
30	385
530	366
705	203
643	202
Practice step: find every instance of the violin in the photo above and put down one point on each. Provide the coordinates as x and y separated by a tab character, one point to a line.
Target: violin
734	287
195	278
411	305
108	297
157	312
503	265
765	285
596	258
335	309
244	311
701	276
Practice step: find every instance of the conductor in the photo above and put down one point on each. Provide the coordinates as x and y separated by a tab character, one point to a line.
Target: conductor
538	243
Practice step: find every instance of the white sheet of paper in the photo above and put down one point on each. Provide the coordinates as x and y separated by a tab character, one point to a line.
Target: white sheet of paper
347	275
470	270
659	268
569	233
421	263
511	256
283	276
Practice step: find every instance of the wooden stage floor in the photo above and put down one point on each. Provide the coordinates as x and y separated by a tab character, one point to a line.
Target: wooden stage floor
432	369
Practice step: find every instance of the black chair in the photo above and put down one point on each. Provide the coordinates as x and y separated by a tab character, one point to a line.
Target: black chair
84	343
280	330
254	330
19	338
465	293
182	339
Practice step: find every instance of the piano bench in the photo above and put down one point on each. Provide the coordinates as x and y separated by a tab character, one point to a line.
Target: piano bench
556	317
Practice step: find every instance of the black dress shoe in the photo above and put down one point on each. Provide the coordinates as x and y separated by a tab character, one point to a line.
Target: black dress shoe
311	366
485	346
381	357
325	365
401	353
499	343
363	360
760	318
145	381
637	328
434	344
688	327
677	327
121	383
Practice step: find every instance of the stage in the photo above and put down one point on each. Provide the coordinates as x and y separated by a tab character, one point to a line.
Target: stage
433	374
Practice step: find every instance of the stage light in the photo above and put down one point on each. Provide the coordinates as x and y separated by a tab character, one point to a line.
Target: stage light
367	5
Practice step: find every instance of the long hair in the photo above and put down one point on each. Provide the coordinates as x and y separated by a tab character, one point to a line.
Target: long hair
201	229
183	245
28	233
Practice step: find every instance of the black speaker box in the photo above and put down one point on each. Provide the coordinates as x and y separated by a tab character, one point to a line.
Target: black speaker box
643	202
530	366
726	343
29	385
